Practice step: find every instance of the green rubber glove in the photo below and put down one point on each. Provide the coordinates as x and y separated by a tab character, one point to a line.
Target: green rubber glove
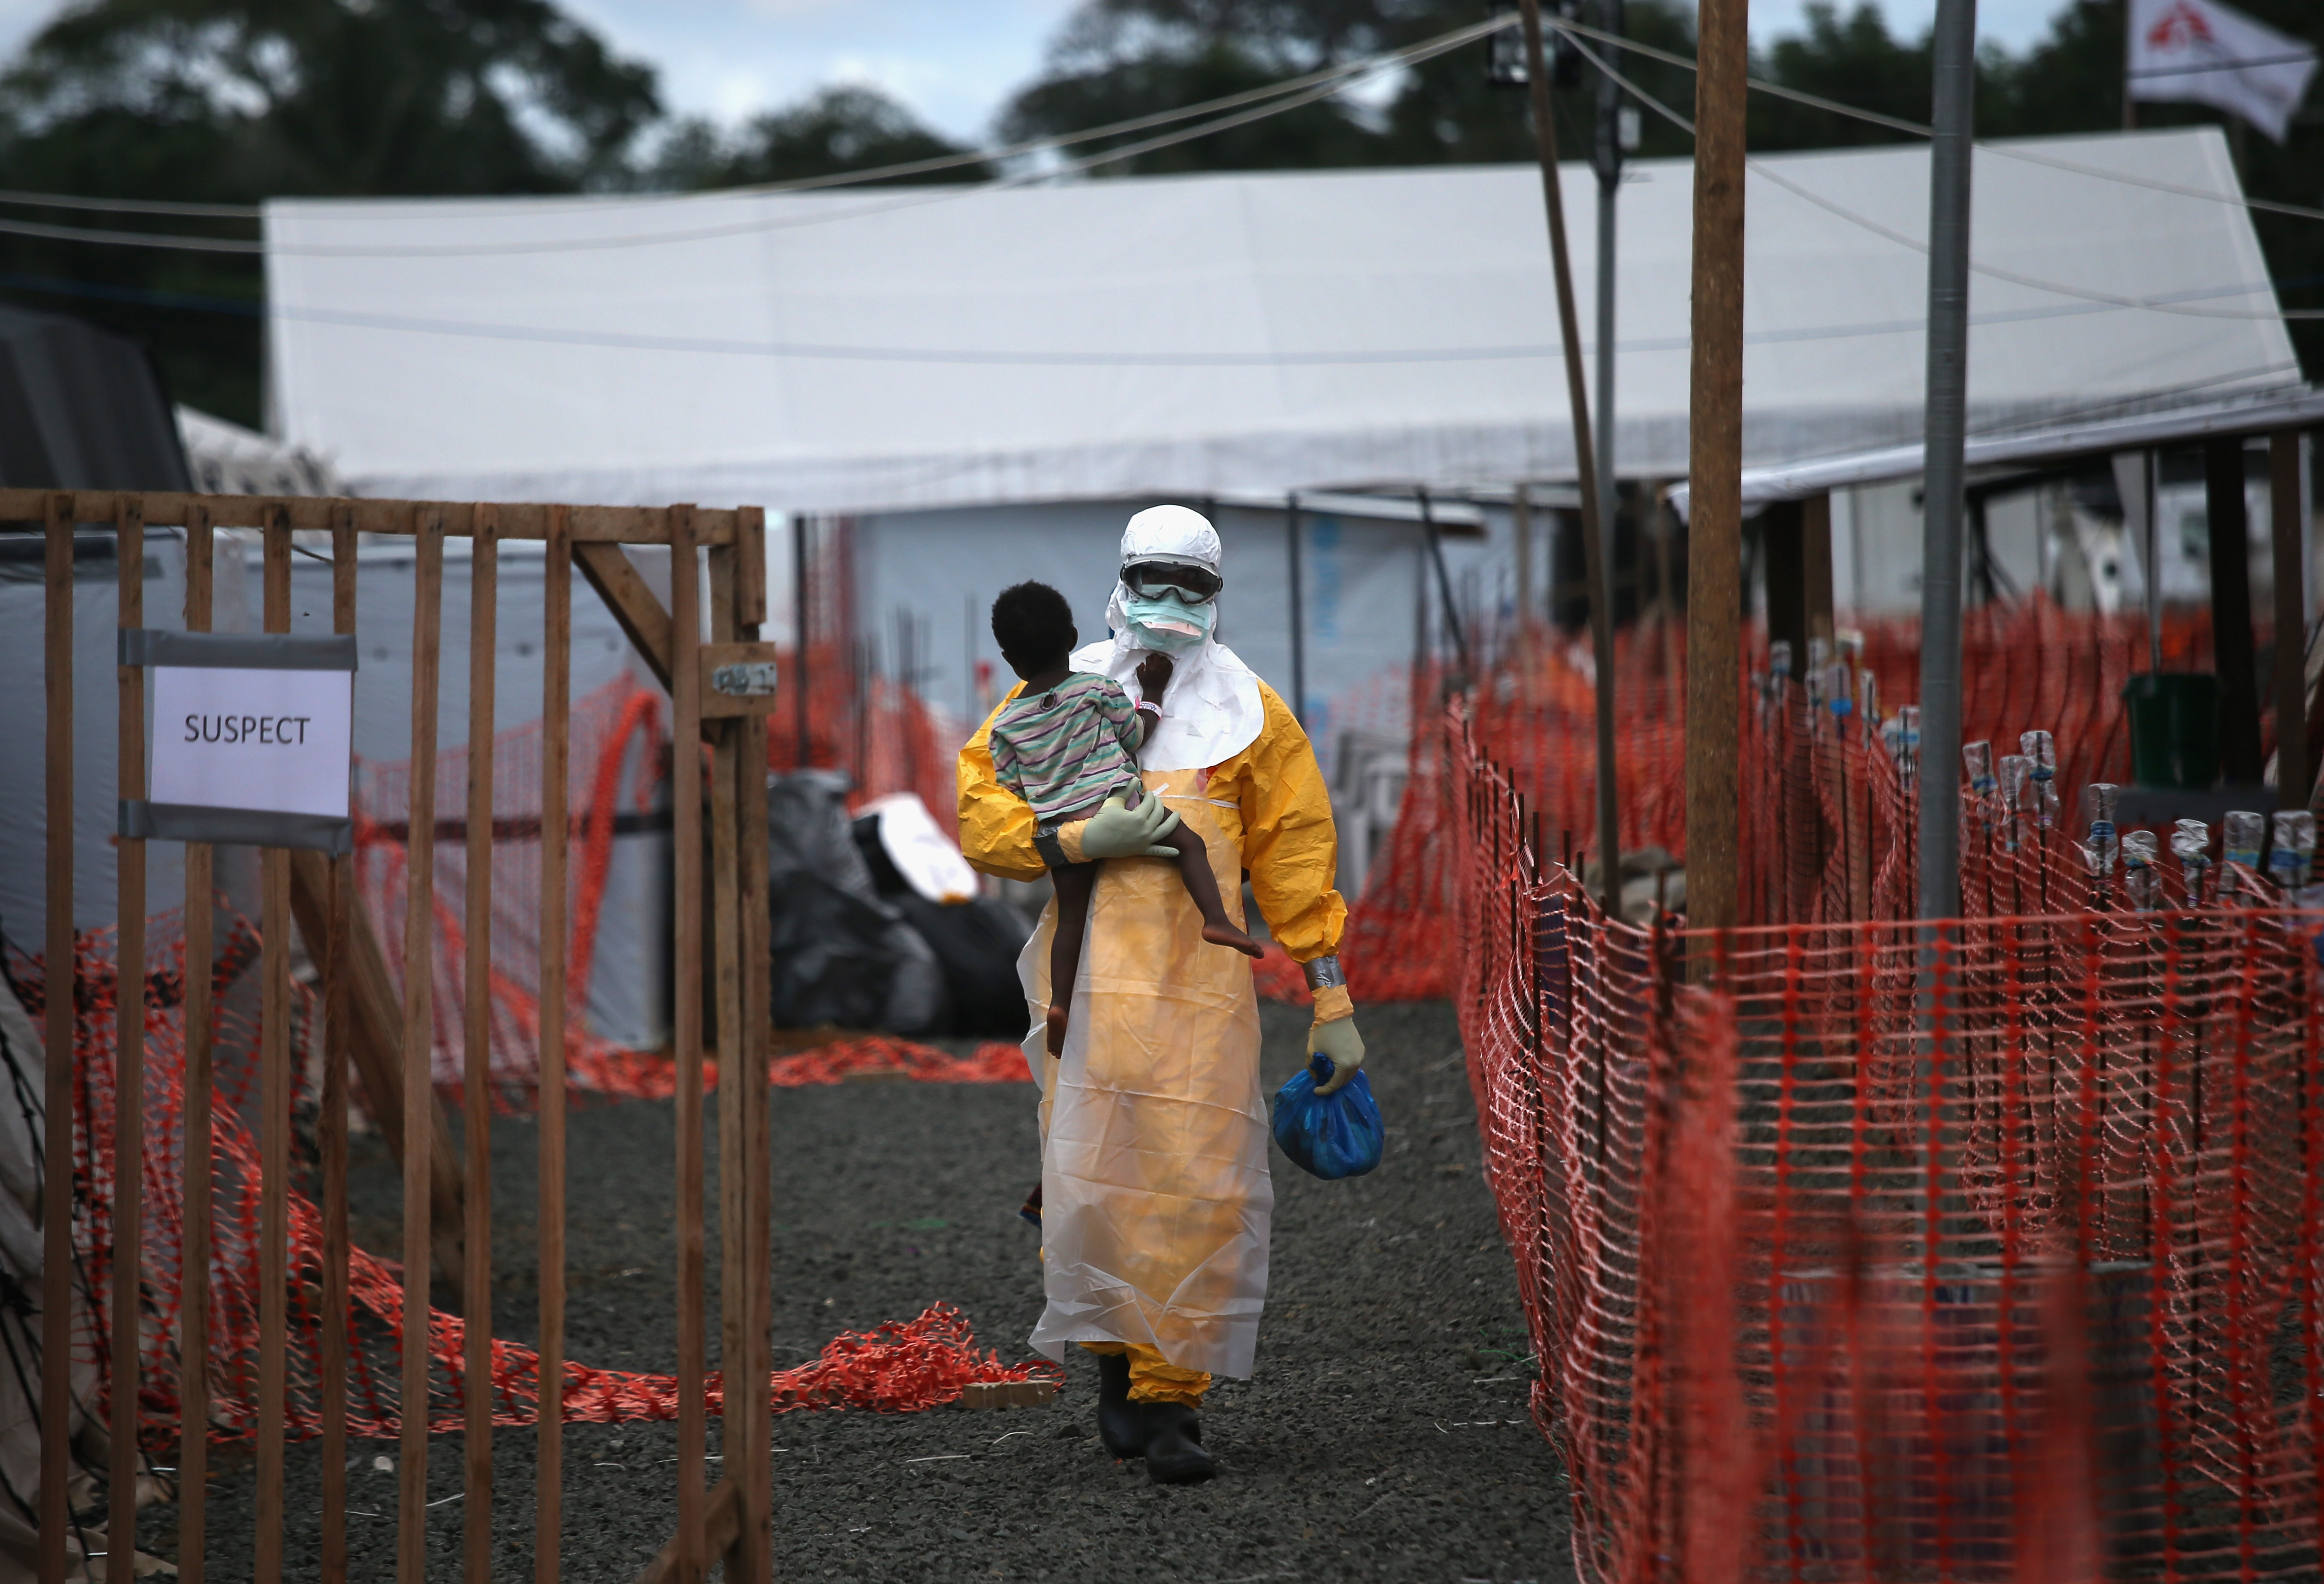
1115	832
1341	1044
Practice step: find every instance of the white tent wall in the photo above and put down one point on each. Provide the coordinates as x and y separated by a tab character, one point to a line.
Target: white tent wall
629	995
851	351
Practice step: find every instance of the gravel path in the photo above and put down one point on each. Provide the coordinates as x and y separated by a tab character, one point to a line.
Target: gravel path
1384	1437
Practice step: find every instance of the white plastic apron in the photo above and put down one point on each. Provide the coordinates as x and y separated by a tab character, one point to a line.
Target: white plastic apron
1155	1196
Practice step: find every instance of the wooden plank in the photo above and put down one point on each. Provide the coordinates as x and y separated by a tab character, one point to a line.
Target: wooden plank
2228	526
686	799
129	1058
2295	773
750	565
748	1415
637	525
332	1132
556	751
477	1049
1715	473
60	991
195	1159
735	1159
375	1044
722	1517
419	1092
274	1132
633	603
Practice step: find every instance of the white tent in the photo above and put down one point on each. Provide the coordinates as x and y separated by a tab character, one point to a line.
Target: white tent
935	347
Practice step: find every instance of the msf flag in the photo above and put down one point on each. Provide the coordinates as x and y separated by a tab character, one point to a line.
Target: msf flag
2200	51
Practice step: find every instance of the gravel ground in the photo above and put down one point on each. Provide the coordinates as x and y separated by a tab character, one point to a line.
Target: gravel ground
1384	1437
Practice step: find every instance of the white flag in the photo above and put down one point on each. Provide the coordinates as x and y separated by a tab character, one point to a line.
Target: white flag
2201	51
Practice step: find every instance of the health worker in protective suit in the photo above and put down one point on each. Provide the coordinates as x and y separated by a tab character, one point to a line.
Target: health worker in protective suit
1155	1196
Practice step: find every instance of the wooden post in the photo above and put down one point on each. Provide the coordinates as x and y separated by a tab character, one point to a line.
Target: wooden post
2231	610
60	993
1715	474
555	846
476	1051
2295	773
1597	545
686	801
197	1158
339	1008
129	1062
418	1021
735	1161
273	1130
747	1412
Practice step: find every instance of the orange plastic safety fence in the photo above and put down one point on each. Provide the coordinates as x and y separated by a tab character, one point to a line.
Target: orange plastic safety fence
1827	825
1986	1250
900	1366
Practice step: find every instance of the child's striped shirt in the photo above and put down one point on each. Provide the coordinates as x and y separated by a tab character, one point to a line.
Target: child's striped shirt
1068	749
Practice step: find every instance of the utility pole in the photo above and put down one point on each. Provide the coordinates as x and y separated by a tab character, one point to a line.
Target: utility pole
1714	539
1577	396
1607	160
1946	429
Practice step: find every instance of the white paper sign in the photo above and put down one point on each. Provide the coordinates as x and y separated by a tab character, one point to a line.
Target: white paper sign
275	741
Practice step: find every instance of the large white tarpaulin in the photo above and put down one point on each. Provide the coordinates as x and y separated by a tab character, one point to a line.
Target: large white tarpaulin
1188	335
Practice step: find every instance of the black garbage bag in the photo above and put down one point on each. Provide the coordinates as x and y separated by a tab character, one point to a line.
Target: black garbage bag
975	943
840	953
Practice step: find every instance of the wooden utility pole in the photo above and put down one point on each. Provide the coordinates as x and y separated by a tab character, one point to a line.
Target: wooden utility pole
1595	549
1714	539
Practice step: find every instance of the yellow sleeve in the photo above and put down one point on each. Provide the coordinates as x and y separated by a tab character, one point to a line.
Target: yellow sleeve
1289	843
996	825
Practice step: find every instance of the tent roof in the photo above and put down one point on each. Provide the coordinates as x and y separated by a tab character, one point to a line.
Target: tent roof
2040	444
901	348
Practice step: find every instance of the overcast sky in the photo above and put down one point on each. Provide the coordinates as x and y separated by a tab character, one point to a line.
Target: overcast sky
953	61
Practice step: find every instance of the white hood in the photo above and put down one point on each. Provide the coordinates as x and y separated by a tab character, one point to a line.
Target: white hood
1211	711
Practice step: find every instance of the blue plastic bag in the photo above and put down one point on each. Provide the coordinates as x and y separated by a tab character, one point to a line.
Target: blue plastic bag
1337	1135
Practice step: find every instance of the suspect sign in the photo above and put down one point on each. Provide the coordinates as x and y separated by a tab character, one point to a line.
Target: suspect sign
251	736
277	741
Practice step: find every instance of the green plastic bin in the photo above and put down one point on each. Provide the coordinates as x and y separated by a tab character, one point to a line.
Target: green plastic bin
2174	728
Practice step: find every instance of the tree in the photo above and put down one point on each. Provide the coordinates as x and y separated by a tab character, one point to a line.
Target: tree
830	134
234	101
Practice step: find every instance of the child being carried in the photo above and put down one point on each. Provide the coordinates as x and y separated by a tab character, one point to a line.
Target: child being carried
1068	745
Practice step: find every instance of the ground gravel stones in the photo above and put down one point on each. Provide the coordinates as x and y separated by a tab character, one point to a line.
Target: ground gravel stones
1384	1437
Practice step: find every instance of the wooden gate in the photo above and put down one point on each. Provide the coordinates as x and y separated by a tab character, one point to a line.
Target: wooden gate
720	691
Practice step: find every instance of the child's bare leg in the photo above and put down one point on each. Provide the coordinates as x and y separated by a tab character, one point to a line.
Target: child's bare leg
1203	886
1074	883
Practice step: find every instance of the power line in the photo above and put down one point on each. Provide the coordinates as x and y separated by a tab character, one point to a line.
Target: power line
1761	169
1897	123
1280	98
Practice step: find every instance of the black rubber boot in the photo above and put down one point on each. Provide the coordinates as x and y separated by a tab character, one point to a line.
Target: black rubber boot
1121	1423
1174	1445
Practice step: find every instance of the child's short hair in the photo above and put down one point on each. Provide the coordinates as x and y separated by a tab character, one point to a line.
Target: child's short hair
1034	627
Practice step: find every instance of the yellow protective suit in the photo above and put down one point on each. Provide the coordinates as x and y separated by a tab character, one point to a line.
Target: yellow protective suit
1156	1200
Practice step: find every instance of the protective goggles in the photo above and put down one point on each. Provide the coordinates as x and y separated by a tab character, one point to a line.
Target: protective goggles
1194	585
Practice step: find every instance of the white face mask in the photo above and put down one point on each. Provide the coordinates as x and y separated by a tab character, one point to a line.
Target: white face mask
1168	625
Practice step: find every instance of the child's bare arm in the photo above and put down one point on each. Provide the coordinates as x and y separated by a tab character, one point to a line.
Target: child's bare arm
1152	678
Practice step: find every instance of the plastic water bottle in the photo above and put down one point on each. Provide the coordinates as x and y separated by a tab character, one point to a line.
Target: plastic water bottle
2241	833
1869	690
2041	768
1840	693
2013	782
1976	768
2190	843
1779	659
2293	853
2105	845
1908	743
2139	880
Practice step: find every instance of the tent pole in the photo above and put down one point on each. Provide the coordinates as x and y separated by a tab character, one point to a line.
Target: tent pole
2285	510
1585	459
798	637
2150	464
1609	164
1298	611
2231	610
1945	428
1714	539
1444	582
